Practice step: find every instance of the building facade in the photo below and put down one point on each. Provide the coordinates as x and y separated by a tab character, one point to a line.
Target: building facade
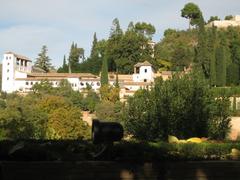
18	75
235	21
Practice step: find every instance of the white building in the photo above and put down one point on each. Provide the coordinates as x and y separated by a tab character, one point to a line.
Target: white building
18	75
235	21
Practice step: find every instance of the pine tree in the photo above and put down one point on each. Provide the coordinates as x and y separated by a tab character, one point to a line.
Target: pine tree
43	61
104	73
116	30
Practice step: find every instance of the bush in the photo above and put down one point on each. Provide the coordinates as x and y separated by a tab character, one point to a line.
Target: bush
183	106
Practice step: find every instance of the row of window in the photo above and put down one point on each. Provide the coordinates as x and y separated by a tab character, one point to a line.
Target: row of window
8	57
23	63
72	84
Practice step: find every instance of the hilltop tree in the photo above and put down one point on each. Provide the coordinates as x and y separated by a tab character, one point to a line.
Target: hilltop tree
213	18
228	17
192	12
43	61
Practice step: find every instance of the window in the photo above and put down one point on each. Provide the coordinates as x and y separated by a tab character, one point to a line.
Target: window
31	83
145	80
8	63
145	70
6	57
7	78
8	70
98	83
26	83
81	83
25	64
17	62
137	70
9	57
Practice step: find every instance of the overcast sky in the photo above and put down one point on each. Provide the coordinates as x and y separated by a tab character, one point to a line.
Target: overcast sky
27	25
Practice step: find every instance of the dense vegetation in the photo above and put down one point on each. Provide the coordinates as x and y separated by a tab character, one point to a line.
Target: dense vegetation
47	113
184	106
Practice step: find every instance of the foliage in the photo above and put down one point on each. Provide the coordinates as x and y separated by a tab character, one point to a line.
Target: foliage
64	67
228	17
104	72
43	61
66	123
182	106
213	18
109	93
90	101
219	124
21	119
192	12
44	87
176	48
109	111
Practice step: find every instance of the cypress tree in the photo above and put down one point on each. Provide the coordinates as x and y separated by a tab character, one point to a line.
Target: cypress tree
212	52
94	52
104	72
117	83
221	59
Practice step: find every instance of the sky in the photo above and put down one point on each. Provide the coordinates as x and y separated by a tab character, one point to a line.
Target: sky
27	25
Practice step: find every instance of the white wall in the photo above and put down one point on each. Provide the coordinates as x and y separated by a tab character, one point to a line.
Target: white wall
145	73
8	63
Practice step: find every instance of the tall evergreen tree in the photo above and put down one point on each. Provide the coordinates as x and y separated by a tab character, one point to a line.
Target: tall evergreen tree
104	72
43	61
221	59
64	68
116	29
212	55
94	51
74	56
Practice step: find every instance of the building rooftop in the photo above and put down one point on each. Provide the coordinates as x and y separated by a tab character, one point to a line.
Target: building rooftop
19	56
145	63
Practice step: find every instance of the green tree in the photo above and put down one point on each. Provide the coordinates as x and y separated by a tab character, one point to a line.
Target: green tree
183	106
43	61
64	68
145	29
104	72
74	56
221	58
212	55
213	18
67	123
109	111
228	17
192	12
